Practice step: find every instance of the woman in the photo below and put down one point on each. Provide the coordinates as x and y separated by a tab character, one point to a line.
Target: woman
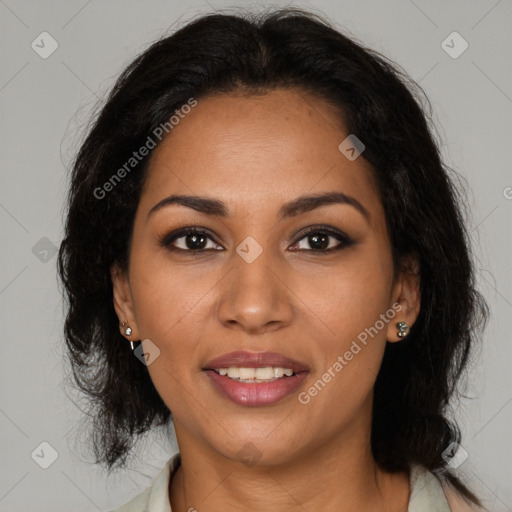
263	240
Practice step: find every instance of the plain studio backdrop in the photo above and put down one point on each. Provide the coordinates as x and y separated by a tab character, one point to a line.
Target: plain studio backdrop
47	92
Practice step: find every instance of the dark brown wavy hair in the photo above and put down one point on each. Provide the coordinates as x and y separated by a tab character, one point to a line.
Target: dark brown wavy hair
223	54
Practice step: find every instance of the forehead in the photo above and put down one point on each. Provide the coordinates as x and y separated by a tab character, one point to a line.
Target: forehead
263	148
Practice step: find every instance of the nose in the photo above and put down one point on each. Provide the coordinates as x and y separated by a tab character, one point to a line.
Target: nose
255	297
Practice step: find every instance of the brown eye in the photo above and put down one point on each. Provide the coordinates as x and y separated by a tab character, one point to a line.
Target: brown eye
194	241
188	240
322	240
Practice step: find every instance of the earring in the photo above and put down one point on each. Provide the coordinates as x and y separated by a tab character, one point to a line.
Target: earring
128	332
403	329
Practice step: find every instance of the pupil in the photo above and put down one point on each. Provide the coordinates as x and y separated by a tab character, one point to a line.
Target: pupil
319	241
197	241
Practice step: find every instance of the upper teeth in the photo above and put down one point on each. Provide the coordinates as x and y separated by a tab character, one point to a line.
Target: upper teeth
266	373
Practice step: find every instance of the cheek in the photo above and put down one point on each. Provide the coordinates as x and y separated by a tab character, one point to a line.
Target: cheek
351	307
349	297
170	309
164	295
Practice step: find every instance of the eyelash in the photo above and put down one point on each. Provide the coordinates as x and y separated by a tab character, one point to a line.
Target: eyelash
345	240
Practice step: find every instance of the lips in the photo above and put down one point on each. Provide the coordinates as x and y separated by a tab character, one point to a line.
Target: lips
255	360
253	394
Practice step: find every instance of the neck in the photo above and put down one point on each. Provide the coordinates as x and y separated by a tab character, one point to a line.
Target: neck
334	475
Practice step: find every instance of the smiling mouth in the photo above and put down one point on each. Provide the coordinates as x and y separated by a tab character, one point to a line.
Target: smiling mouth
255	379
256	387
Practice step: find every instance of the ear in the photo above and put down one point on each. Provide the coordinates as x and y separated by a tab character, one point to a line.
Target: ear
123	303
406	293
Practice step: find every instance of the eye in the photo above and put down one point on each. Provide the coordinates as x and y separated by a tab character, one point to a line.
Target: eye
189	239
322	240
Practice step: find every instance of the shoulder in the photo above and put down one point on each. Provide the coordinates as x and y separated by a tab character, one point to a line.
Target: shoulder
426	492
457	502
156	496
137	504
431	492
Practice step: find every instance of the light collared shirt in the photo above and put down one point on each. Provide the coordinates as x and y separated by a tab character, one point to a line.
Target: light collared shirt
426	492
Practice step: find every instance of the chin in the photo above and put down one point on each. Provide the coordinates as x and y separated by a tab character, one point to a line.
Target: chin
262	450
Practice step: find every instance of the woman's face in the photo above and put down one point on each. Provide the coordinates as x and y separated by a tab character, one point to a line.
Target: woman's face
257	281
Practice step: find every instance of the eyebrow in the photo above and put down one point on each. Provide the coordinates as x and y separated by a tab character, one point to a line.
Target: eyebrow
293	208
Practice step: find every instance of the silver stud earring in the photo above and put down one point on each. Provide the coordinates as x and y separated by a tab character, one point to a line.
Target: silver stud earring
128	332
403	329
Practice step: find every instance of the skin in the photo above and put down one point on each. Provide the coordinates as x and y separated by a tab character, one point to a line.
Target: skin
256	153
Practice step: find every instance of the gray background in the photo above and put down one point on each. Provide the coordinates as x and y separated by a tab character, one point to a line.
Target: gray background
45	104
